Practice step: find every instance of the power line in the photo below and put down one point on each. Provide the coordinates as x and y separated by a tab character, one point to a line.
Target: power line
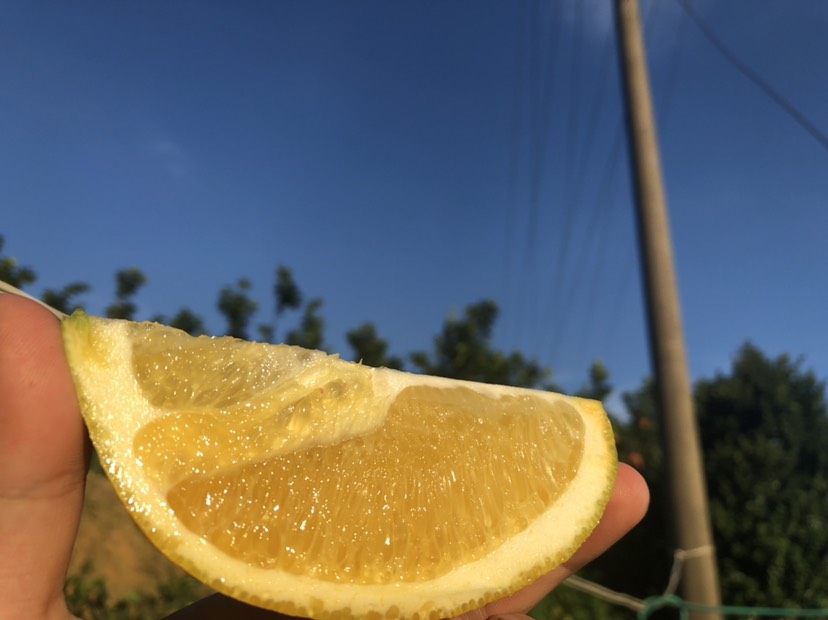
668	88
596	244
571	151
514	155
815	132
527	273
597	228
621	292
532	112
573	202
541	128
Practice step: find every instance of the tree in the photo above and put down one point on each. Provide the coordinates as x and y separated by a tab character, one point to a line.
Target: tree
370	349
288	295
648	547
64	298
237	307
127	283
462	350
599	387
185	320
764	428
12	273
311	331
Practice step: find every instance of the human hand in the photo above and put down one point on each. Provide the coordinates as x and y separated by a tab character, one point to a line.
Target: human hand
44	455
626	507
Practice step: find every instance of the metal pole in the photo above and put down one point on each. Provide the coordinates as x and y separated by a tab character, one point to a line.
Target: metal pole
687	488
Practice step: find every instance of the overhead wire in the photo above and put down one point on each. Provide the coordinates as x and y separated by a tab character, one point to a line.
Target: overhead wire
526	274
596	244
783	102
668	90
522	110
567	196
507	287
567	285
621	293
602	204
542	79
564	294
540	136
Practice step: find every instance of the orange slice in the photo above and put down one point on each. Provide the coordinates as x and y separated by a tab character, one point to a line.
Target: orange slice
302	483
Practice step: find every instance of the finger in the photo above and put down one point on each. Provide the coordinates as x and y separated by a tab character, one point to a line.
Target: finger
627	506
625	509
43	450
43	438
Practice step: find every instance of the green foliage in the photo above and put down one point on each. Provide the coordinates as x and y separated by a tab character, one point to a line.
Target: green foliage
639	564
764	428
127	283
566	603
764	431
370	349
237	307
638	440
64	299
311	330
88	598
288	295
12	273
462	350
648	548
599	387
185	320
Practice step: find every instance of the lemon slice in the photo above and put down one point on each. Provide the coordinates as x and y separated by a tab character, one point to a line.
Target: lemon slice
305	484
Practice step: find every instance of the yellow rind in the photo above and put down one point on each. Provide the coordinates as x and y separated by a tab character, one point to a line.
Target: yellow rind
99	354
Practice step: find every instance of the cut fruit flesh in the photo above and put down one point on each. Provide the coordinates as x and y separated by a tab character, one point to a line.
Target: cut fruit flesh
312	486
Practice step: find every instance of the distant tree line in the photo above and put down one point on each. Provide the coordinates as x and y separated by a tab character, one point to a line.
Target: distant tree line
764	430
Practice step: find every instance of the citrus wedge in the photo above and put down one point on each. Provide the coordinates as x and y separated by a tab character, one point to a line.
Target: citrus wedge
302	483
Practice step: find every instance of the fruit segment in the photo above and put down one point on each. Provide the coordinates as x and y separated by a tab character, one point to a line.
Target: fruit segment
448	477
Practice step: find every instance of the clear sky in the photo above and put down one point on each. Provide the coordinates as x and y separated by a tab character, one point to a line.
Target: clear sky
408	158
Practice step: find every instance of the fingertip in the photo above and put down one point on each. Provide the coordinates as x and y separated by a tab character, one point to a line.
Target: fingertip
31	354
38	405
25	322
631	493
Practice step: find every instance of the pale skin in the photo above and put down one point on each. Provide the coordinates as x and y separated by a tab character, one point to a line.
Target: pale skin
44	456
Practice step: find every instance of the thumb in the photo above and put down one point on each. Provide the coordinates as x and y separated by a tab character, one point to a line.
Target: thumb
43	456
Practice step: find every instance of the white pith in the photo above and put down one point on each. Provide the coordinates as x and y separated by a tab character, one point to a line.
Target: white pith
115	410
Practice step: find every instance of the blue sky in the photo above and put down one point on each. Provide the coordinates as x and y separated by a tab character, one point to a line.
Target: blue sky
406	159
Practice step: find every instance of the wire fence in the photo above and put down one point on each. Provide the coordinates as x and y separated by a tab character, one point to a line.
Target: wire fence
647	607
684	608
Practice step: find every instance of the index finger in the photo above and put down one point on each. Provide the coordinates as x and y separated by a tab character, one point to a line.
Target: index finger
627	506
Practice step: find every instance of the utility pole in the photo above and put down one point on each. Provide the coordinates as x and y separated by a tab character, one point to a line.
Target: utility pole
682	448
